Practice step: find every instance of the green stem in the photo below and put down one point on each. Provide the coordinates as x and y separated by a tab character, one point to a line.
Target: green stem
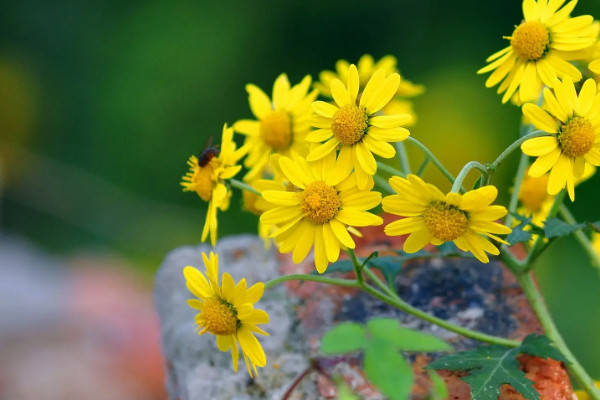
393	300
581	237
465	171
423	166
403	156
539	307
514	197
357	266
514	146
312	278
538	245
389	169
243	186
383	184
433	159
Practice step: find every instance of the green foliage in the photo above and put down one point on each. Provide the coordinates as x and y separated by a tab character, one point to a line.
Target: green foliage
344	392
439	391
518	235
490	367
382	340
555	227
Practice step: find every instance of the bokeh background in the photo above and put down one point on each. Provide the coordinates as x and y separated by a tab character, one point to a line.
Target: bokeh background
102	102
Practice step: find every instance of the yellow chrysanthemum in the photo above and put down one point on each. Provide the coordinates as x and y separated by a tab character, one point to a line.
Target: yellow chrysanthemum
352	126
539	49
435	217
227	311
281	125
574	122
207	176
317	208
367	66
582	395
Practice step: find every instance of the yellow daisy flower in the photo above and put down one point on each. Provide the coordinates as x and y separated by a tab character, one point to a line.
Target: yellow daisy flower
539	49
574	122
367	66
317	209
435	217
207	176
281	125
352	126
227	311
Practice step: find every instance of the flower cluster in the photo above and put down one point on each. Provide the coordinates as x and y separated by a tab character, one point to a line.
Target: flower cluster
316	168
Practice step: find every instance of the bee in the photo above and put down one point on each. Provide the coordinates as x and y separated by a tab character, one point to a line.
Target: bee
208	153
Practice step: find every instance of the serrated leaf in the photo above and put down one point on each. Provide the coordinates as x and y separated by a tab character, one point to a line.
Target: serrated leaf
439	391
522	218
518	235
346	337
388	370
541	346
389	267
492	366
404	339
555	227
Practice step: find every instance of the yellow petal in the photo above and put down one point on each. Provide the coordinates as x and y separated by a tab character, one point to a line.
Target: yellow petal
353	83
390	121
365	158
281	198
358	218
417	240
259	101
251	347
540	118
341	233
324	109
558	176
323	150
388	134
339	93
372	87
384	94
404	226
586	97
332	245
539	146
543	163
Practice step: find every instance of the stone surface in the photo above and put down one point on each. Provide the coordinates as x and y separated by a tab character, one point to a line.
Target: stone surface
483	297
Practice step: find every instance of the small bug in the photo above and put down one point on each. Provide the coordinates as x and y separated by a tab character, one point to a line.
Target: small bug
208	153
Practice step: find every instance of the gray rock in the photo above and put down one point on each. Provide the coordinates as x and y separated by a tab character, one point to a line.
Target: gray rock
196	369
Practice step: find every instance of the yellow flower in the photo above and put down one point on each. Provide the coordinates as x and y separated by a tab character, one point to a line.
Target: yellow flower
352	125
227	311
582	395
317	209
539	48
207	175
281	125
574	122
366	68
432	217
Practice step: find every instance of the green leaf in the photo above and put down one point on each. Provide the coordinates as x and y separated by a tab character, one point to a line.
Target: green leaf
388	370
389	267
518	235
490	367
555	227
389	329
439	391
346	337
344	392
338	266
541	346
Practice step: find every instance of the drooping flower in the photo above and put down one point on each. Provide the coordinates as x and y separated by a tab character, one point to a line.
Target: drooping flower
353	126
574	124
435	217
207	175
367	66
318	208
280	125
227	311
539	49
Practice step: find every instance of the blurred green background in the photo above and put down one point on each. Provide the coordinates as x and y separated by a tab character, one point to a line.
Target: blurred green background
102	102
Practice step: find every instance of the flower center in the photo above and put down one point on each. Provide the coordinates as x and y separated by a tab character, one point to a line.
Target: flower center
276	130
349	124
576	138
533	192
203	183
444	221
219	316
320	202
530	40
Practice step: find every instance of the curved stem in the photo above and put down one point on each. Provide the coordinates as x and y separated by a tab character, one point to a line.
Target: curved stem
312	278
401	305
539	307
581	237
383	184
465	171
403	156
357	266
389	169
514	197
243	186
514	146
433	159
